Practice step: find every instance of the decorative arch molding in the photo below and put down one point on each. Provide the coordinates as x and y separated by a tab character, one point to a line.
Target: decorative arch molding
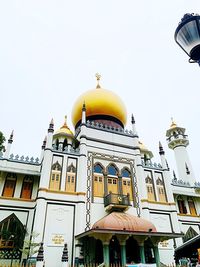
101	166
91	158
125	169
112	165
148	180
56	166
159	182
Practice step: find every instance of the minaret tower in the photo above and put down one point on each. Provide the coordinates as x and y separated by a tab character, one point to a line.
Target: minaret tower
178	141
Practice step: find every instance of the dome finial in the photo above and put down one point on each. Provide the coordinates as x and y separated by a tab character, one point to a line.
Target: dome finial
65	121
173	124
98	76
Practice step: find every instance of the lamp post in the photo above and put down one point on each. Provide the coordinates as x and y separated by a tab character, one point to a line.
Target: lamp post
187	36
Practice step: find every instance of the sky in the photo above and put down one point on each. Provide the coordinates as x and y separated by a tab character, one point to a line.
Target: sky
51	50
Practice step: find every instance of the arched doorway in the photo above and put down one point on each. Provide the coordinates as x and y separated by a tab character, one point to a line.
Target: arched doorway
132	251
98	252
115	251
149	251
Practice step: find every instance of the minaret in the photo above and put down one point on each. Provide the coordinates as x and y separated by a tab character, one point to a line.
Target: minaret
10	140
178	141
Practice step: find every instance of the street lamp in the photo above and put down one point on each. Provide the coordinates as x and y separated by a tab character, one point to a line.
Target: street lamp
187	36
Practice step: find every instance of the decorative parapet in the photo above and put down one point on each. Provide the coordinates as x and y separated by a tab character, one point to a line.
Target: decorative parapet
180	183
22	159
67	150
151	165
107	128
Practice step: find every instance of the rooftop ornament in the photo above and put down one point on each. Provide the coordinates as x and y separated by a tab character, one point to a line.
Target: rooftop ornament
187	36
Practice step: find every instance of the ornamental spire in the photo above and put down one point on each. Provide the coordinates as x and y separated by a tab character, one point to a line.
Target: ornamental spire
173	124
10	140
161	150
98	77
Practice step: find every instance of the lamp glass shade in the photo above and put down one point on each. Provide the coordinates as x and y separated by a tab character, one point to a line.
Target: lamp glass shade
188	36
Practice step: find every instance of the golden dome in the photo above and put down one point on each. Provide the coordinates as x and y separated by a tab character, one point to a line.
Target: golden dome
99	101
64	130
173	124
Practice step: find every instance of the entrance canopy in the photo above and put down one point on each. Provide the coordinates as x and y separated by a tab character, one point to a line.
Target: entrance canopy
122	224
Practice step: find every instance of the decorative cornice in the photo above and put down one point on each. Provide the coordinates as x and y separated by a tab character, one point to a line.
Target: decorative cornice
17	199
158	202
188	215
61	192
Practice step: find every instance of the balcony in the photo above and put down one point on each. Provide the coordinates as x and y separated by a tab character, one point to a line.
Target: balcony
116	202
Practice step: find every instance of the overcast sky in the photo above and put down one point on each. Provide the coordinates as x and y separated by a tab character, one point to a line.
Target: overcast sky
51	50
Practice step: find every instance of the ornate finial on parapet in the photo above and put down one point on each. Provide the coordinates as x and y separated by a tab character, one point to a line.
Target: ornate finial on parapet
98	76
65	121
161	150
65	253
167	164
51	126
40	256
10	140
84	106
44	143
132	119
174	175
187	169
173	123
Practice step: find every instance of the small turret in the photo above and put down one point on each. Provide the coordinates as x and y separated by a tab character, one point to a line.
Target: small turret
133	125
8	148
161	150
176	136
83	121
63	138
50	134
178	141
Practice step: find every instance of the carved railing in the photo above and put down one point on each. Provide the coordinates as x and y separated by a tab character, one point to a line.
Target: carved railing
108	128
22	159
116	200
68	150
151	165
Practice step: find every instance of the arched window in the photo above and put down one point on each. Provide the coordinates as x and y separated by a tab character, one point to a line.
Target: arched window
9	186
98	180
112	182
98	168
192	206
27	187
126	183
126	173
64	144
70	184
181	205
161	190
55	176
150	188
112	170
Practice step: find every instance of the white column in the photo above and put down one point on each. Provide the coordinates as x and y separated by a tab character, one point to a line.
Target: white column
39	221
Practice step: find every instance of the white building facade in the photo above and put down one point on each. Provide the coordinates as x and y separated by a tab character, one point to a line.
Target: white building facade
98	191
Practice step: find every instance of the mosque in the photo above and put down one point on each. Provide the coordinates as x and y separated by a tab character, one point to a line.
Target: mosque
95	195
